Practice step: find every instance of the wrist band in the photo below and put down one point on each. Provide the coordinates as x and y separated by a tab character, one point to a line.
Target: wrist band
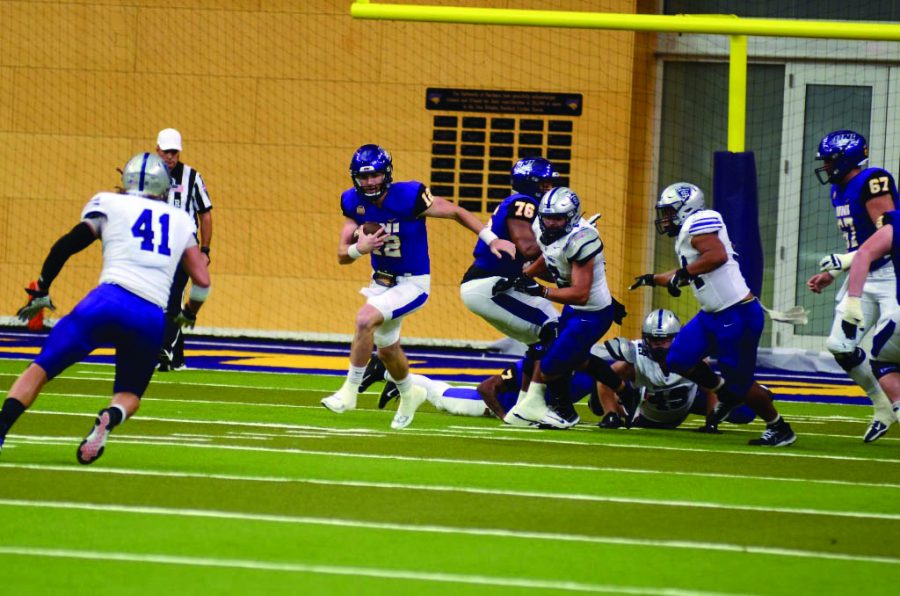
353	252
204	250
487	236
198	294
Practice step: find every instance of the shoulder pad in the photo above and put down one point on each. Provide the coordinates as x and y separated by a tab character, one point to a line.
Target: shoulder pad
704	222
621	348
582	242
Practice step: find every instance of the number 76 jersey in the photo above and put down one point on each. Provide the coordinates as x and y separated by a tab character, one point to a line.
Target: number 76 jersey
143	241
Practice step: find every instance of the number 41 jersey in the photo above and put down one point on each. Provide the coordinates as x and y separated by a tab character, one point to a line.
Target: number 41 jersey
143	241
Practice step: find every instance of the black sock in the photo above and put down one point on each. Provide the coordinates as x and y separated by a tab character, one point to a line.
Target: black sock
12	409
559	390
116	417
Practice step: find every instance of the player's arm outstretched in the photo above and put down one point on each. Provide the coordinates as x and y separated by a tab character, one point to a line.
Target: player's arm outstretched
76	240
712	256
443	209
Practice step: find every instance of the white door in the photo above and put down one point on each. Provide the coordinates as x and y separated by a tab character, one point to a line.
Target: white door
818	99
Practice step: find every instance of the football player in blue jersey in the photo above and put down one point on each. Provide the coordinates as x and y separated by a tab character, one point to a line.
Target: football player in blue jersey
572	257
401	279
860	198
885	359
516	314
730	322
144	241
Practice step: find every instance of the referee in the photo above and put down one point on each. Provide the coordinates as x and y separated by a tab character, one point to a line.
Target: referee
188	192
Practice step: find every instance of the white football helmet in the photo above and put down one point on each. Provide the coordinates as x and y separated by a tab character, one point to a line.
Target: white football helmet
146	175
558	201
660	324
675	204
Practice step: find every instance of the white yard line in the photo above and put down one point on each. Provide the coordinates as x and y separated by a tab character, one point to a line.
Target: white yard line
372	572
434	529
581	497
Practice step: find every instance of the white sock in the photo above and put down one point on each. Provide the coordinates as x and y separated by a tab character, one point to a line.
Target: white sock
862	375
404	385
535	394
354	377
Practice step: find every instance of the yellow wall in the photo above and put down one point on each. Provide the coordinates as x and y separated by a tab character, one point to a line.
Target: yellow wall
272	98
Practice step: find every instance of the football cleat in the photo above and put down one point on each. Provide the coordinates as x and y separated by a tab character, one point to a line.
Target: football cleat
341	401
408	406
374	372
92	446
611	420
780	435
876	430
560	418
389	392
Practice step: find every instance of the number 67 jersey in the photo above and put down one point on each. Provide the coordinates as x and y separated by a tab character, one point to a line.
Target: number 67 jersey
143	240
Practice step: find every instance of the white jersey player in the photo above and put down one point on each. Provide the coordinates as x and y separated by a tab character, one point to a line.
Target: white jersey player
144	239
666	397
572	256
730	322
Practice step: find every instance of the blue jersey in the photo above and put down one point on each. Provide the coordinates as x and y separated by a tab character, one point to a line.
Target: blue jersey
405	251
516	206
582	384
849	204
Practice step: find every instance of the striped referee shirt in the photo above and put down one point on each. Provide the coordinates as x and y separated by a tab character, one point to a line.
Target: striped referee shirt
188	191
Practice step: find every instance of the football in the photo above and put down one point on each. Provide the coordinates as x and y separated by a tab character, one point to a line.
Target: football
368	228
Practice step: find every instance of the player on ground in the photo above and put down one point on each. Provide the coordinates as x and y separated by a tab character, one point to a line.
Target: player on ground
860	198
572	256
666	397
885	359
144	240
730	322
401	277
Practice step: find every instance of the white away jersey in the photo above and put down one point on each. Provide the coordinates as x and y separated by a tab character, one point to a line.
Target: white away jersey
143	241
667	397
579	245
722	287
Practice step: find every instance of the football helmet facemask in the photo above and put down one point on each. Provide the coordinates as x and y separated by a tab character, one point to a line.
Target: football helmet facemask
841	151
371	159
528	173
676	202
659	329
146	175
558	202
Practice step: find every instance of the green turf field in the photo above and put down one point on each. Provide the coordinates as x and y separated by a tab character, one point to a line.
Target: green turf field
242	483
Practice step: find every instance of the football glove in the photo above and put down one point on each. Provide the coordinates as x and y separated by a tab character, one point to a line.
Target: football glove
186	318
679	279
619	311
527	285
853	316
646	279
503	284
39	299
836	262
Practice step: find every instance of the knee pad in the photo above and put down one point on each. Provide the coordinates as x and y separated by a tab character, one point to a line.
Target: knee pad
880	368
850	360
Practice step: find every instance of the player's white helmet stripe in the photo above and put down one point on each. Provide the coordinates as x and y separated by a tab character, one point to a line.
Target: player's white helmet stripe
146	175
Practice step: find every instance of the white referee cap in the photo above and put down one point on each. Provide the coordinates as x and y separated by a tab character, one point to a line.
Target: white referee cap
169	139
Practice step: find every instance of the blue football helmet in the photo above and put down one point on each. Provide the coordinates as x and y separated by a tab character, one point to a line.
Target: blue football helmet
676	202
368	159
529	172
842	151
558	201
